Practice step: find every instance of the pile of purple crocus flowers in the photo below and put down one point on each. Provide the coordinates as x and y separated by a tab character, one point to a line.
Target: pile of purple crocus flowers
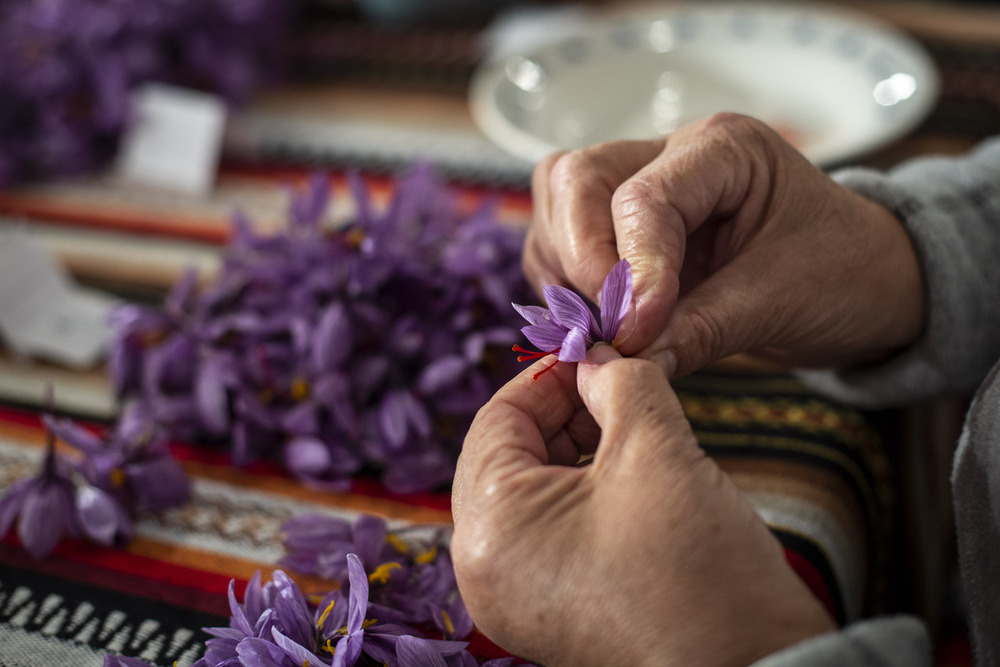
389	587
336	349
68	67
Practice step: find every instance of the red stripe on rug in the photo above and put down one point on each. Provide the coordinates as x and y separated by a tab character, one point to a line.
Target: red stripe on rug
120	571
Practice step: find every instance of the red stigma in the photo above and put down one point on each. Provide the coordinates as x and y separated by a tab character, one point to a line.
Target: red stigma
531	355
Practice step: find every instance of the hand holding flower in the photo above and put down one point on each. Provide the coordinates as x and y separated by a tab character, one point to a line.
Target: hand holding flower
648	556
737	244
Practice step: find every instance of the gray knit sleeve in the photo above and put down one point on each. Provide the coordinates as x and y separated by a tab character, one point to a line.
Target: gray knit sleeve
897	641
950	208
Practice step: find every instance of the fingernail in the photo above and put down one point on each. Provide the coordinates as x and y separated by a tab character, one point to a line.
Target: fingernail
669	361
627	327
602	353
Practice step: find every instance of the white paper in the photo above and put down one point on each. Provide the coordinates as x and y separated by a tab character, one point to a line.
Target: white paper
43	313
174	139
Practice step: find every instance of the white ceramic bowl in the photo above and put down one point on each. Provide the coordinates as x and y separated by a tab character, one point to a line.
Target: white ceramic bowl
837	84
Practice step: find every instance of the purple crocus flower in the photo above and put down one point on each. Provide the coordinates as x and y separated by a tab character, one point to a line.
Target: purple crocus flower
43	507
318	544
133	464
568	327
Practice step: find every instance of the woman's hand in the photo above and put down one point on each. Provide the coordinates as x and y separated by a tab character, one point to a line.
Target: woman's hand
737	244
648	556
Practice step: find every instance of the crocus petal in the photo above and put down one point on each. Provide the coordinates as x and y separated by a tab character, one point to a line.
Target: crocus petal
616	297
382	648
102	518
308	207
574	346
392	418
218	651
302	419
332	341
241	228
424	469
225	633
345	649
413	652
297	652
306	456
74	434
446	647
181	292
43	519
314	531
158	484
441	372
569	309
237	616
358	604
369	538
253	599
362	200
290	604
547	336
534	314
211	395
11	504
256	652
417	415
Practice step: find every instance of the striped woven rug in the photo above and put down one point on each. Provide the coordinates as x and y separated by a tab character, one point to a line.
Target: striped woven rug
814	470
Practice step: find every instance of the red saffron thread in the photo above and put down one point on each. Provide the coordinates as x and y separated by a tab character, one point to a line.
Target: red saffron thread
531	355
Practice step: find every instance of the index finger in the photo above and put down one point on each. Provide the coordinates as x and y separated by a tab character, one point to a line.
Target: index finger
581	231
706	171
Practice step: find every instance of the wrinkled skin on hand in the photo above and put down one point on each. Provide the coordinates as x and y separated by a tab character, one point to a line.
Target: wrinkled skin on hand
737	244
650	555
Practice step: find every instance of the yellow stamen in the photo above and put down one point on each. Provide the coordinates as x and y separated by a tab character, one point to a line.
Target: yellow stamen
449	627
325	614
354	237
300	389
399	544
383	572
117	477
329	647
151	338
364	624
315	598
427	556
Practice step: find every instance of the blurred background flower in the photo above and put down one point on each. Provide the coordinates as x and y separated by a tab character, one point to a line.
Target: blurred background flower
69	65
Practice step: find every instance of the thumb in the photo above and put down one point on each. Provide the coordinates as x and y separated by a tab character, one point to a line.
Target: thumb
642	424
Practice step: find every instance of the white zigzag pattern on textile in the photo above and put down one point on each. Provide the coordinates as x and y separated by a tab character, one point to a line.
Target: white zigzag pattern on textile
36	630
